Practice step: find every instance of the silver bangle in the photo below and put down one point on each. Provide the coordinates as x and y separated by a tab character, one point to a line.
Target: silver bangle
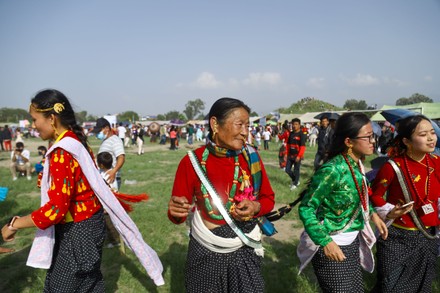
11	223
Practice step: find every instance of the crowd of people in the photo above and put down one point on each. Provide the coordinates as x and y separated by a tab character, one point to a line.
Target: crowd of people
222	190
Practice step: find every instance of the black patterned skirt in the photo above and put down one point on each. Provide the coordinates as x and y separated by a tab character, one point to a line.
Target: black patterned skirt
76	263
211	272
406	261
335	276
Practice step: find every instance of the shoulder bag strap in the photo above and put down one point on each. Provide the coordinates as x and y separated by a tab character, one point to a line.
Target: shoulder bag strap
407	196
218	203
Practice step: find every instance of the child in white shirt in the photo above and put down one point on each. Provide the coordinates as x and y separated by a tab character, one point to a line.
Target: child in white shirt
105	161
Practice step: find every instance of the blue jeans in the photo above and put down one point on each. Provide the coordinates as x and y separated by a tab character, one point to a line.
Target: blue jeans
266	145
296	168
319	158
163	139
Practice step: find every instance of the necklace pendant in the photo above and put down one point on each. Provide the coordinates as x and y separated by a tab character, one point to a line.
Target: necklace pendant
428	208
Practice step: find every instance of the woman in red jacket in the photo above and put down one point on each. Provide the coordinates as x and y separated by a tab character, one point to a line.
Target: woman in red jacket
72	207
407	259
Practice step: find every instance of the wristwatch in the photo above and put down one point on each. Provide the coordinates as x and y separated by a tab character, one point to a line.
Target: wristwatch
11	223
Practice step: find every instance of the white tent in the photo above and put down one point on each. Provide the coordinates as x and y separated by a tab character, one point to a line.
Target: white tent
430	110
309	117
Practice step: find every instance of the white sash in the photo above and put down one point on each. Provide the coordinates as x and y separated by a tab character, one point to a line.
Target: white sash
219	244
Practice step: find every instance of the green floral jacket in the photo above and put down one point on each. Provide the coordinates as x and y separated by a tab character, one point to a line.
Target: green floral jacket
331	200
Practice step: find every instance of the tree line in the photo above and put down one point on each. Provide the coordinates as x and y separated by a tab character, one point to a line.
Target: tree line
194	109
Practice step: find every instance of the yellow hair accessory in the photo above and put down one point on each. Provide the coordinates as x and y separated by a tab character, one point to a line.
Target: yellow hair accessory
58	108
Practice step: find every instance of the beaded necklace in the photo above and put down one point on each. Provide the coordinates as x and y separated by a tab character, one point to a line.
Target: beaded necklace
231	192
361	193
412	181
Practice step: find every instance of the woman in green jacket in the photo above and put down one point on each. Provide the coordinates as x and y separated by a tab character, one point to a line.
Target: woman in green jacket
335	210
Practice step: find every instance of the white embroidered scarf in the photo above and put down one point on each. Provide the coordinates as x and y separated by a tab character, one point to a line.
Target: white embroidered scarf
41	252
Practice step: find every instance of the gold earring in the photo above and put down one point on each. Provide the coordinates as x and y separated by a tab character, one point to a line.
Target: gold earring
213	134
350	150
54	129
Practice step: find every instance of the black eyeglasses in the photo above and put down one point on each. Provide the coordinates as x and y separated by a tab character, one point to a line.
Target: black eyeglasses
371	138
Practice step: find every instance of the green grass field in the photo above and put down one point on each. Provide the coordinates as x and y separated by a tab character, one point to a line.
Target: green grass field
154	174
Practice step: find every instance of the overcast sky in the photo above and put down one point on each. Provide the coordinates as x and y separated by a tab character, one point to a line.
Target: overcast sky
154	56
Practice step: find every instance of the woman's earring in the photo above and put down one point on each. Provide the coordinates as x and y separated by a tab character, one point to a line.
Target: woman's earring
350	150
54	129
213	134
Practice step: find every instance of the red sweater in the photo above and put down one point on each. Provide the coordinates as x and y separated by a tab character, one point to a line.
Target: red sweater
386	181
220	171
70	195
284	136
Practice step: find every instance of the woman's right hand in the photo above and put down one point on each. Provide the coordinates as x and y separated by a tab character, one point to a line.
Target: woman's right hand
334	252
179	207
8	234
398	211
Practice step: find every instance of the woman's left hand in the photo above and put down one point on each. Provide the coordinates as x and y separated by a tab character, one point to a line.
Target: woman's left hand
246	210
380	225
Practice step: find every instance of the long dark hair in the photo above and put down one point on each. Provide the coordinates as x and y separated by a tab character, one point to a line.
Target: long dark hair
46	99
222	108
405	129
348	125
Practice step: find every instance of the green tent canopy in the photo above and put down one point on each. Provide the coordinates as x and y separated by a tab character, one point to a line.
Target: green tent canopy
430	110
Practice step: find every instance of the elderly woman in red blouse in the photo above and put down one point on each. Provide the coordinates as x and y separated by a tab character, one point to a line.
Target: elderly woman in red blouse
225	251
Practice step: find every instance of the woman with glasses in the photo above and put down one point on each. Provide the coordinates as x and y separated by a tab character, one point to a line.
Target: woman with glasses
336	211
407	259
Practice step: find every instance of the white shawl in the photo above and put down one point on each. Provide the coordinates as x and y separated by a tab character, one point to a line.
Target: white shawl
219	244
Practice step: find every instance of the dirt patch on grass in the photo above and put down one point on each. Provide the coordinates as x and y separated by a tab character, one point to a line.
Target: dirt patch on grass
31	194
287	228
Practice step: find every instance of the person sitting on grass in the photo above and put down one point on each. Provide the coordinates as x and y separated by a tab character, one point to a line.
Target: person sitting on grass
20	161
